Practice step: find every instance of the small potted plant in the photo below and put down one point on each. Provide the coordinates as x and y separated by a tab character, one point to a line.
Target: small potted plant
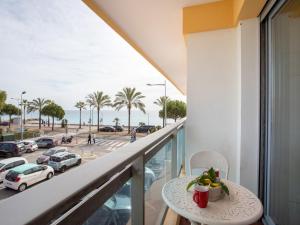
216	187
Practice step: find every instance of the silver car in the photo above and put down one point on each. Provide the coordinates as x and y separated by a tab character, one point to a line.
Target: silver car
63	160
46	155
46	142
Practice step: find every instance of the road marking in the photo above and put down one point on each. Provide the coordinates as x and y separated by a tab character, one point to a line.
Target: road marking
110	144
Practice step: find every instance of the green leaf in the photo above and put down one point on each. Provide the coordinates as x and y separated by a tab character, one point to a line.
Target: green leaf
211	172
224	188
191	184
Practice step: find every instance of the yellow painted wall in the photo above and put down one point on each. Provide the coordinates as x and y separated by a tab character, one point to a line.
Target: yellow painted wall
207	17
219	15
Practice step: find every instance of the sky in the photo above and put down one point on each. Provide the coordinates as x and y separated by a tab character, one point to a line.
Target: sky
61	50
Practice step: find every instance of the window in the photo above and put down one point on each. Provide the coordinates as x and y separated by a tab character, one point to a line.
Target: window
36	169
281	109
7	146
55	159
9	166
18	163
27	172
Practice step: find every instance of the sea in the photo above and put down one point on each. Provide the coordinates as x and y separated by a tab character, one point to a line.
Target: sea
106	117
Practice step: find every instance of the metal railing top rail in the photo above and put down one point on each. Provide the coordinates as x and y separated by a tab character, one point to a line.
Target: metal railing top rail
48	200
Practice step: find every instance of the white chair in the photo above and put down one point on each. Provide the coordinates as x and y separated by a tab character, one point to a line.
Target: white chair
207	159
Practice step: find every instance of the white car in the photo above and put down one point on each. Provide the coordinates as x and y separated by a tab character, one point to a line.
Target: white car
7	164
21	177
30	145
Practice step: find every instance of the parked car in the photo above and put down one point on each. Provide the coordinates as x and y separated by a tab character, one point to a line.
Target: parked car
30	146
107	129
117	209
21	177
118	128
4	123
7	164
46	155
144	128
11	149
63	160
46	142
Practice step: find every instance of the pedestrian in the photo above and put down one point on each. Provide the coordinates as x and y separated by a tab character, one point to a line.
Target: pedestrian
89	139
94	138
133	135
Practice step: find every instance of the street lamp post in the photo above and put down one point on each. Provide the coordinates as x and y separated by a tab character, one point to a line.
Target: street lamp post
21	111
23	93
90	120
165	102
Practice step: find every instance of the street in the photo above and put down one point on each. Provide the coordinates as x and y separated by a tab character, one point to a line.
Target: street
102	146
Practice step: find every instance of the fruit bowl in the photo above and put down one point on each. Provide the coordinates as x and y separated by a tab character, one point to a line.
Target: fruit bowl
217	189
215	193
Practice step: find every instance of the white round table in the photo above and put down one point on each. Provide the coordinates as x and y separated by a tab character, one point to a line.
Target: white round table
241	207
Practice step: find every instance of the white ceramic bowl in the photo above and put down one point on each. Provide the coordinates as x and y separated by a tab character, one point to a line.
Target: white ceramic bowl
215	193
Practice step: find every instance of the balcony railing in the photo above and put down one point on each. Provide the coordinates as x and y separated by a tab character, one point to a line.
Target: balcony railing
123	187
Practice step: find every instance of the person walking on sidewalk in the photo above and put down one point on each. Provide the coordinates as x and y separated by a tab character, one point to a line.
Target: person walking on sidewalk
89	139
94	138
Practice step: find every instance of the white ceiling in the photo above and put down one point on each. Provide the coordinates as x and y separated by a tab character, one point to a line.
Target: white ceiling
156	27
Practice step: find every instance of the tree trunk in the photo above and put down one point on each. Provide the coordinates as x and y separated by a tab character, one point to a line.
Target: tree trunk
163	121
9	121
129	112
98	121
24	114
40	119
80	118
48	121
52	123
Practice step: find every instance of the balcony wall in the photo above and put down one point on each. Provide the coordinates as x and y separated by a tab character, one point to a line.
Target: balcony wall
122	187
222	98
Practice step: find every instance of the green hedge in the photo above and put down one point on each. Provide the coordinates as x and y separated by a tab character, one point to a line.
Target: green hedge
17	136
27	134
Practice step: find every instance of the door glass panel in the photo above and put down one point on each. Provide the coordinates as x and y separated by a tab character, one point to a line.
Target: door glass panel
115	211
157	173
284	150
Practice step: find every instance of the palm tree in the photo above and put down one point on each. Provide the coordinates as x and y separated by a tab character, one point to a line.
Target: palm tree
116	121
25	105
129	98
2	101
37	105
98	99
80	105
161	102
53	110
10	110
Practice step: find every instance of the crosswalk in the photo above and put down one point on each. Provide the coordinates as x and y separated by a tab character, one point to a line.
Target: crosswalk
110	144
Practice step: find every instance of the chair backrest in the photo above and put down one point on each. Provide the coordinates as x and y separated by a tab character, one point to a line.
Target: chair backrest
207	159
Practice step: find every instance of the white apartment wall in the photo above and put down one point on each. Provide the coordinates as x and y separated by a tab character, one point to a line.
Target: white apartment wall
213	94
249	104
222	98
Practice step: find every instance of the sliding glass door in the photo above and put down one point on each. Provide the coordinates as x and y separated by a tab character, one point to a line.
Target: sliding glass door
281	189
